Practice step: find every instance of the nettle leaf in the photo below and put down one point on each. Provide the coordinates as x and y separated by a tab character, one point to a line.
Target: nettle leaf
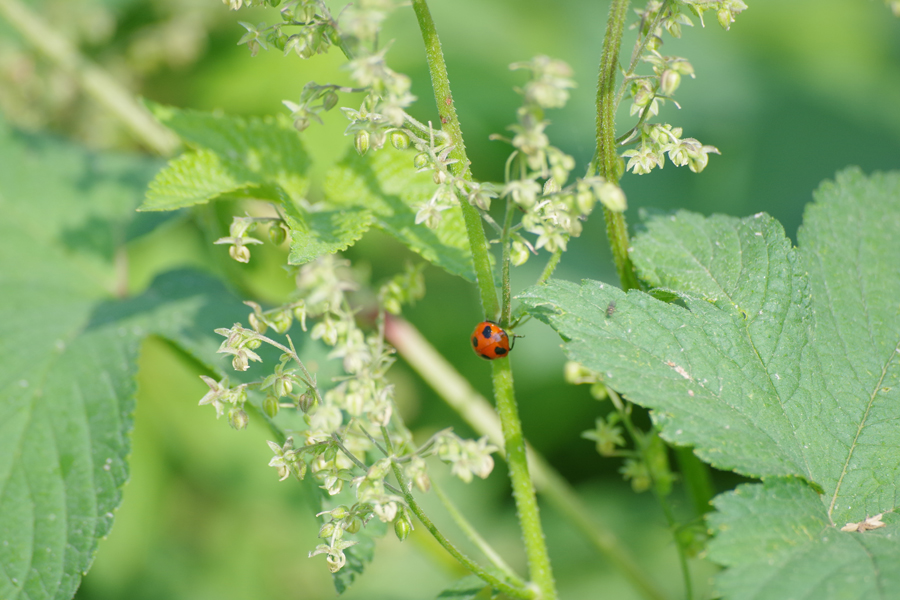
228	154
466	588
193	178
70	349
386	183
782	362
325	232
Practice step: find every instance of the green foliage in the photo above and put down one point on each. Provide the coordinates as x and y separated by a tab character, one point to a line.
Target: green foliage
778	542
385	183
70	353
358	558
326	232
466	588
782	362
228	154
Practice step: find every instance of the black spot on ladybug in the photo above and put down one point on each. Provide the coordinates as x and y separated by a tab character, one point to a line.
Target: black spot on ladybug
486	332
499	351
475	341
484	356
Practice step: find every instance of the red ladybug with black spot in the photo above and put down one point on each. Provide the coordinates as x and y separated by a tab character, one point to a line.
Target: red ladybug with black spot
490	341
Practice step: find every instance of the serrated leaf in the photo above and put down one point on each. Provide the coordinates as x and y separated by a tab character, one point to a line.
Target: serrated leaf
324	232
228	153
466	588
192	178
386	183
778	542
69	348
705	369
783	363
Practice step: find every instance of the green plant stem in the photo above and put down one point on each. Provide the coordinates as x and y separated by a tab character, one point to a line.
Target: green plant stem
523	489
641	444
450	125
475	537
695	474
498	584
504	278
95	81
456	391
606	158
550	267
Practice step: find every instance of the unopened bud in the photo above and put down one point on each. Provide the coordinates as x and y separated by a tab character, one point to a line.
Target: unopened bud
277	234
362	142
353	524
306	402
399	140
240	253
270	406
420	161
282	321
551	186
327	530
238	418
379	470
258	325
402	528
669	82
329	100
613	197
725	18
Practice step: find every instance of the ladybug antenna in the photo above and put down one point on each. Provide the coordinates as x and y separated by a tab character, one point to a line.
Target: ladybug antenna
513	340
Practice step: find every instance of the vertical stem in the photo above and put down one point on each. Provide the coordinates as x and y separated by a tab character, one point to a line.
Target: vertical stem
606	159
506	293
696	478
523	489
450	125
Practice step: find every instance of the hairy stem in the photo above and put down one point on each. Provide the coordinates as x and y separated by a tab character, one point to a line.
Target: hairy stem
96	82
477	412
606	158
523	489
450	125
488	577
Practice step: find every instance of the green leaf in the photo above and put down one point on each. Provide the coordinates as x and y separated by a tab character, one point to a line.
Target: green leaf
386	183
192	178
229	153
69	351
782	361
778	542
324	232
358	557
466	588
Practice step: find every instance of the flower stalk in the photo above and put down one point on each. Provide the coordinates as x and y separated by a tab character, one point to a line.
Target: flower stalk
606	159
523	488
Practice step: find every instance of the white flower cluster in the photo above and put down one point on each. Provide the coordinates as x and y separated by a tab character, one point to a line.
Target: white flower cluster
648	92
336	441
537	181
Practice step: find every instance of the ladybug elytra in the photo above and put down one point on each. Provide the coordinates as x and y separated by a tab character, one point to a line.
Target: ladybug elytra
489	341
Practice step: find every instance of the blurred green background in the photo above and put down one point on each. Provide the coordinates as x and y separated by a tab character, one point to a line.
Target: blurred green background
795	91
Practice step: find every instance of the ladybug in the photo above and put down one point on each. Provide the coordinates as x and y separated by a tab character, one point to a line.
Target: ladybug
489	341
